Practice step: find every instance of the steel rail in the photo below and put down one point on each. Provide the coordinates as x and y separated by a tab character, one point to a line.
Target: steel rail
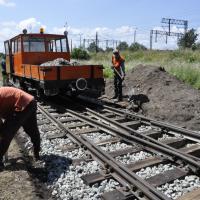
167	127
194	165
130	177
142	136
160	124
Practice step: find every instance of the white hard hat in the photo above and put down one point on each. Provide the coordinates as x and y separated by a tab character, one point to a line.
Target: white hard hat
115	51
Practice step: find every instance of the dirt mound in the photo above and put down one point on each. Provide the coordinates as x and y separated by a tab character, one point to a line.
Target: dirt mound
169	99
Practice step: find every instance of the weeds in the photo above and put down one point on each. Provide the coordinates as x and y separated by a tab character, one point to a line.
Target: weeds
184	64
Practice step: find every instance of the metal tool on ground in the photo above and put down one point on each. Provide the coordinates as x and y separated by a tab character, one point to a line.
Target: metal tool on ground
5	158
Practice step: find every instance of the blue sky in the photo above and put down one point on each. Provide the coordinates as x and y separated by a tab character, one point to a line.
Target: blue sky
113	19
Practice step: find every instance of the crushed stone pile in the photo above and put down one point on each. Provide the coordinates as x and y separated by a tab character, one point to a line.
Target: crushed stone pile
60	62
162	95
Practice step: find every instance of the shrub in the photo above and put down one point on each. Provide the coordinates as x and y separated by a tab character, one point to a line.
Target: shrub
79	53
122	46
136	46
188	39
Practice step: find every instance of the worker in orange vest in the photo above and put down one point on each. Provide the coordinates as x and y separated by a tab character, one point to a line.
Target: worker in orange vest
17	108
119	73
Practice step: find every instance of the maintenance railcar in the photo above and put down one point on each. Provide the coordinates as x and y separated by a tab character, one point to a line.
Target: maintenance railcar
25	55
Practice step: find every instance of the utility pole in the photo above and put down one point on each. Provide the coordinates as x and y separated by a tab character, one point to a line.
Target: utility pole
80	34
182	23
151	38
96	42
71	45
135	35
116	43
169	26
106	44
84	43
167	33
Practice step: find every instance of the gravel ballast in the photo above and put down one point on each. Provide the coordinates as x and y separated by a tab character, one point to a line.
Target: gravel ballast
180	187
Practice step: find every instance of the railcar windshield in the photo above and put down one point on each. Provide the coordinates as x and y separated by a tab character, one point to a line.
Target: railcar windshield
33	44
46	44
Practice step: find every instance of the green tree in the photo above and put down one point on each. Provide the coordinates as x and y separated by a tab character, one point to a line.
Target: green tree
136	46
1	55
92	48
188	39
196	46
122	46
109	49
79	53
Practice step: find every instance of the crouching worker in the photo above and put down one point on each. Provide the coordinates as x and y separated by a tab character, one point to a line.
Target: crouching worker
17	108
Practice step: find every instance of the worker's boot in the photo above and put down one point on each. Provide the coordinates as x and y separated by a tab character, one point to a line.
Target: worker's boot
120	98
120	95
116	94
36	155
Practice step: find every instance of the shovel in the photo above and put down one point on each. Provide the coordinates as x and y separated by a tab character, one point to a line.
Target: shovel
121	77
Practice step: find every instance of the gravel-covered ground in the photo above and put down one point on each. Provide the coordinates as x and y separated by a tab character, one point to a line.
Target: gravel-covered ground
180	187
115	146
152	171
131	158
98	137
63	178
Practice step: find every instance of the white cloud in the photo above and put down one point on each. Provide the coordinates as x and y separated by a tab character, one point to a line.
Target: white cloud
10	29
30	24
7	3
124	33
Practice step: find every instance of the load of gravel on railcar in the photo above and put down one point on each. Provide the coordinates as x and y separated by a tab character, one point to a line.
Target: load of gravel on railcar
162	96
60	62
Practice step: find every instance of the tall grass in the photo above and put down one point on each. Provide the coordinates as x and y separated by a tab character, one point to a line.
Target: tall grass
184	64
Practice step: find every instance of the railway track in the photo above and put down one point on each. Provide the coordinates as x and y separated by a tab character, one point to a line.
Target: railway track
116	154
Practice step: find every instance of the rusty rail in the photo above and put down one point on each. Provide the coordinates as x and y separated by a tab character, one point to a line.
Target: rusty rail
144	140
135	183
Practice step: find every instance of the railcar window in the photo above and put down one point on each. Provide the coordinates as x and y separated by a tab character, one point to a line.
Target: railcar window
19	44
59	45
64	45
34	45
7	48
26	44
16	46
13	47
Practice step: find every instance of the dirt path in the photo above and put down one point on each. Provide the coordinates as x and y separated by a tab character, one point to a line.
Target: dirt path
15	182
20	180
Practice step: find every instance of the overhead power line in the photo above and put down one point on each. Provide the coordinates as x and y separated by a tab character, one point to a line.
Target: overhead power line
168	33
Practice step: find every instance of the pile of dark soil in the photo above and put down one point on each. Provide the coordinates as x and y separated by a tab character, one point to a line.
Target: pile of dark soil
169	99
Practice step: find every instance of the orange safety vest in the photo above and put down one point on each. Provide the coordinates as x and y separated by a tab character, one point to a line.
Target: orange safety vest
117	62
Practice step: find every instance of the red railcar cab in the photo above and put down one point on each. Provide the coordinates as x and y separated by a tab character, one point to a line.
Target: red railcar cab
26	55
